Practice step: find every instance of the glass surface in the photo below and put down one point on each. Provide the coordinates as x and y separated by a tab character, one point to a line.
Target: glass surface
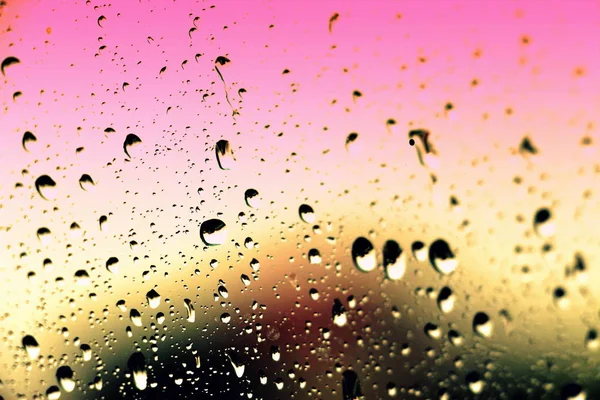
244	199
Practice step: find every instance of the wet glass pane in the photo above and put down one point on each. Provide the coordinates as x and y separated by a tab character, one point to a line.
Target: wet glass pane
240	199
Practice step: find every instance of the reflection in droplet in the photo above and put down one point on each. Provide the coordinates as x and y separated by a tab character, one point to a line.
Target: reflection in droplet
213	232
442	258
394	260
225	157
46	187
137	365
363	254
64	376
307	214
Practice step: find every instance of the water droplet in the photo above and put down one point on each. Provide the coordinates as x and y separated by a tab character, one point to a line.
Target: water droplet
225	318
236	363
86	182
314	257
252	198
31	346
137	365
46	187
28	138
189	308
351	142
160	317
135	317
64	376
275	353
475	383
7	62
350	386
419	251
340	318
314	294
363	254
446	300
482	325
82	277
591	340
130	141
433	331
223	292
225	157
455	338
86	351
573	391
442	257
307	214
153	299
394	260
44	235
112	265
543	224
213	232
53	393
561	300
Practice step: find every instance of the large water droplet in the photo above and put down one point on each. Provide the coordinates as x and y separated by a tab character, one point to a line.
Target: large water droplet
53	393
137	365
31	346
307	214
442	257
189	308
394	260
350	386
543	224
135	317
86	182
252	198
153	299
446	300
237	364
363	254
130	141
112	265
46	187
64	376
213	232
225	157
28	138
7	62
482	325
340	318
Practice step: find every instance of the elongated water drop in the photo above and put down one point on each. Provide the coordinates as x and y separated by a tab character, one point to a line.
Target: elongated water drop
31	346
137	366
225	156
394	260
64	376
130	141
363	254
307	214
153	298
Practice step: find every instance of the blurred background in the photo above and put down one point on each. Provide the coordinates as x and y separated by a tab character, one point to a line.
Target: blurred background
299	199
